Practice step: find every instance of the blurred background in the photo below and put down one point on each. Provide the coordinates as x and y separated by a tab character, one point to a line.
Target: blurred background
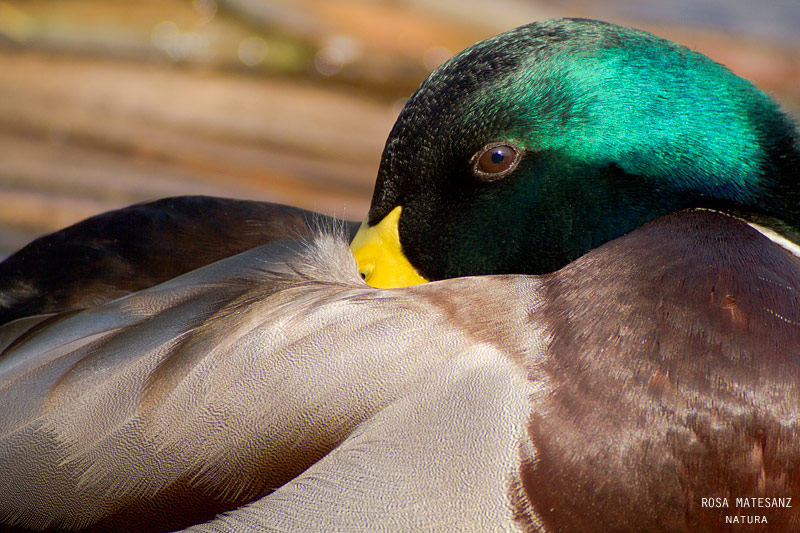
104	103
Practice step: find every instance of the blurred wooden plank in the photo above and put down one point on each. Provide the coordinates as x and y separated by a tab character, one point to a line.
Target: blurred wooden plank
96	132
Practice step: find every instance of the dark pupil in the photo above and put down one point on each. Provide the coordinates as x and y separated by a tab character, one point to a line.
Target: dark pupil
498	157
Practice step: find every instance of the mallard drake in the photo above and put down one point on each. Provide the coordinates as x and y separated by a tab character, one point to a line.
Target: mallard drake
638	371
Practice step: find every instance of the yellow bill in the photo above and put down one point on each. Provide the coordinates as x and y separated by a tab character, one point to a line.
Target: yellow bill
380	257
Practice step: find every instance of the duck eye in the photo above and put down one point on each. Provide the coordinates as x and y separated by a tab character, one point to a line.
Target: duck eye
494	161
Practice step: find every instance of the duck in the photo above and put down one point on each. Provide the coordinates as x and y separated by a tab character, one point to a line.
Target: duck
572	306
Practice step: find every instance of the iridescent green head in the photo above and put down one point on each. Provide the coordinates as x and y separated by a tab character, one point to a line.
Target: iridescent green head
530	149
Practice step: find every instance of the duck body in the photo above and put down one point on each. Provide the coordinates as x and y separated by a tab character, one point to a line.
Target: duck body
625	350
500	402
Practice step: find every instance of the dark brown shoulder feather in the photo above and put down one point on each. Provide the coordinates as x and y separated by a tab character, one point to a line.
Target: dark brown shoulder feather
124	251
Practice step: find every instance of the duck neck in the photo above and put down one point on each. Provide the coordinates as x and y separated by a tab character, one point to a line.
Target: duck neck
776	206
789	238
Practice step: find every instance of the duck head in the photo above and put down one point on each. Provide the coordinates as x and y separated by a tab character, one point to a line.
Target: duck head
530	149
